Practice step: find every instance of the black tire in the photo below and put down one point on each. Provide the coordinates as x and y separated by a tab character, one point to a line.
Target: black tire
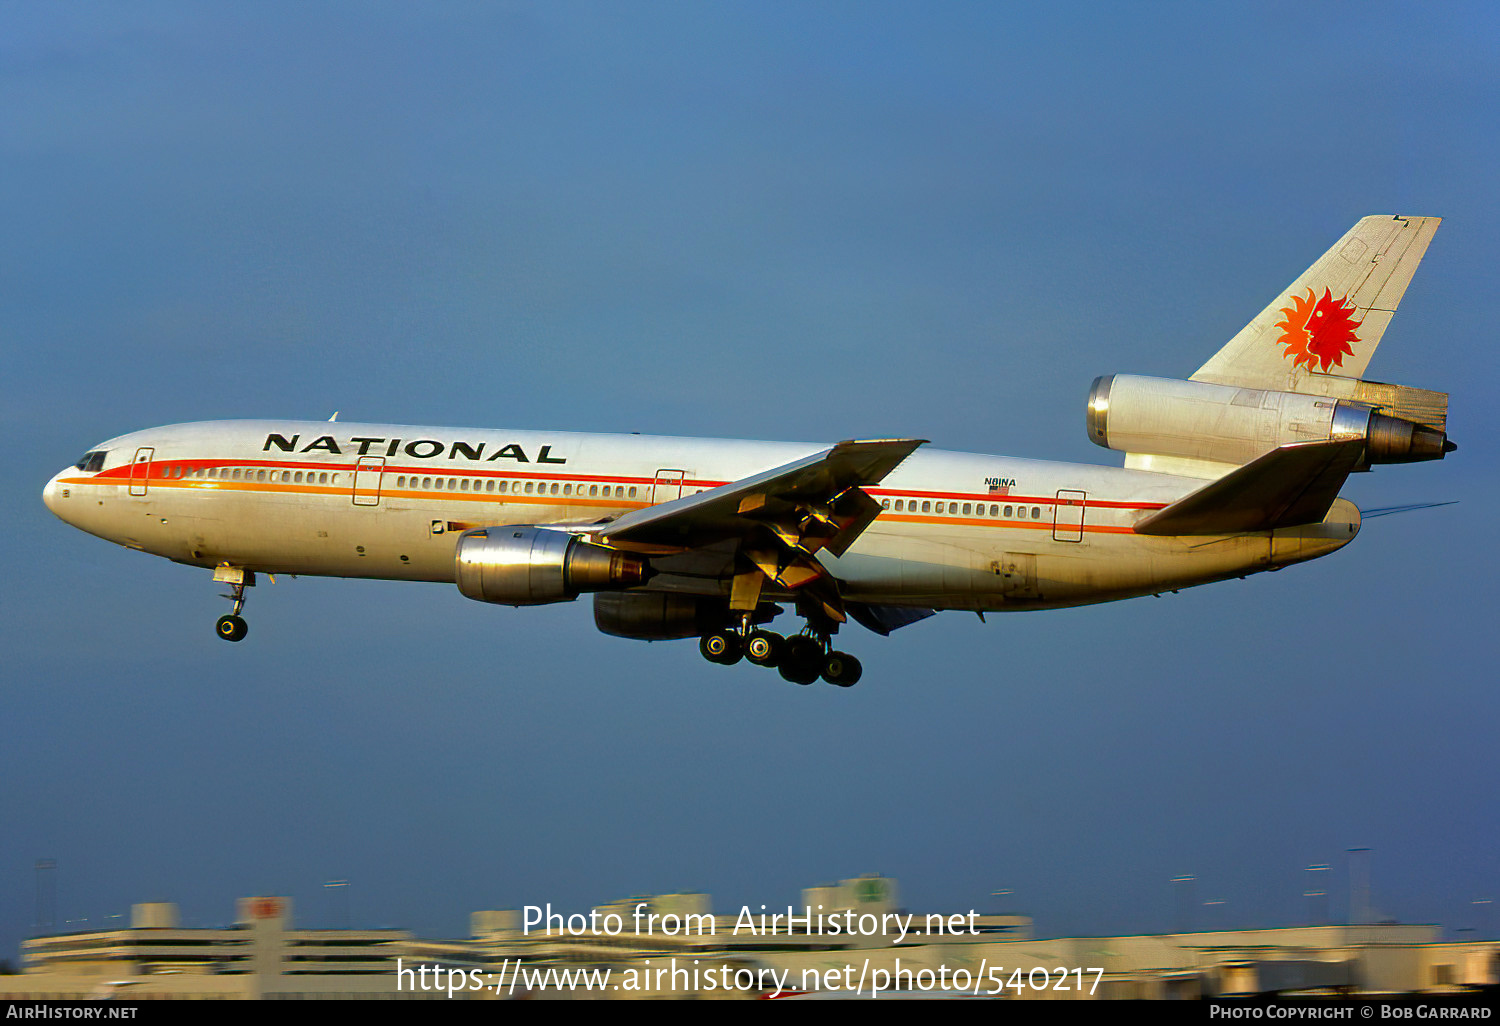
792	675
764	648
802	660
232	628
842	669
721	647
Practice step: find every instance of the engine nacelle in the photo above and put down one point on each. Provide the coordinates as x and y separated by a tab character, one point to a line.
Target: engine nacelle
658	616
528	566
1200	421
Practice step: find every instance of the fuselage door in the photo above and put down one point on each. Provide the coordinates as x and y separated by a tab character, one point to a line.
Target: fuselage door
367	480
1067	516
140	470
667	486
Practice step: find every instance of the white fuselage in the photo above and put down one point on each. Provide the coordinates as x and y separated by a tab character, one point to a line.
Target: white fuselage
956	531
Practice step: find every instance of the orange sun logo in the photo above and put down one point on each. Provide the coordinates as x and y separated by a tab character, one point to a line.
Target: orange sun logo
1318	333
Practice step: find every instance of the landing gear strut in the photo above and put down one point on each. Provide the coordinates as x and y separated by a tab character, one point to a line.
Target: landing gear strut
232	627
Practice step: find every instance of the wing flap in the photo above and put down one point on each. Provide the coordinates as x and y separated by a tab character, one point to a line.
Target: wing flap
1295	484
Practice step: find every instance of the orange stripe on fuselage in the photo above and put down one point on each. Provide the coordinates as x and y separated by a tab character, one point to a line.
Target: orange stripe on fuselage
500	498
511	474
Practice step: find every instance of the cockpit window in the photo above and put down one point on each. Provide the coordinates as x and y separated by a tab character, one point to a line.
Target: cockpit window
91	462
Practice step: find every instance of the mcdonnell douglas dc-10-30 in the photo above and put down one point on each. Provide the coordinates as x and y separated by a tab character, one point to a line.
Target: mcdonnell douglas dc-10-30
1232	471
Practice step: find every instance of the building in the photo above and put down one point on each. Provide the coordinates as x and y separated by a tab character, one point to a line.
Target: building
260	956
841	939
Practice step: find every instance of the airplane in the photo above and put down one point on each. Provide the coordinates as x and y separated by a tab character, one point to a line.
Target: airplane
1232	471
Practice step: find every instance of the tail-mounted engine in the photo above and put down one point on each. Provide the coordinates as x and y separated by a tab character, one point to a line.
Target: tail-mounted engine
1196	420
528	566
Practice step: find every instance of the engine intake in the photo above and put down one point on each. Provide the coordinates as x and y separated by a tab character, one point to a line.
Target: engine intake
529	566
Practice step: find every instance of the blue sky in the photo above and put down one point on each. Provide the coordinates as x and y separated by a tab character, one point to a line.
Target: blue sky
803	221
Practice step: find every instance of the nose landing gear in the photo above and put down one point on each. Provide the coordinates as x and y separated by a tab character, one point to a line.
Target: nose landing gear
232	627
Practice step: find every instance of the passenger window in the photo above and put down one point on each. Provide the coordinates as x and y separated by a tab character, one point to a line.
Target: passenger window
297	477
554	487
1036	513
1009	510
967	509
501	487
927	507
632	493
567	489
885	503
593	489
994	511
530	487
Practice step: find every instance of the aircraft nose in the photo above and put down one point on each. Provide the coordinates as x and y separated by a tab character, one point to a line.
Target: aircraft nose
52	495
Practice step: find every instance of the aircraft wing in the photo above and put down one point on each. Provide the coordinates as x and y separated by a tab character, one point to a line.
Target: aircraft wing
1295	484
780	519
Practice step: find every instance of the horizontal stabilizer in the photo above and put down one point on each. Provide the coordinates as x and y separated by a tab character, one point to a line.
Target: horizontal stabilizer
1295	484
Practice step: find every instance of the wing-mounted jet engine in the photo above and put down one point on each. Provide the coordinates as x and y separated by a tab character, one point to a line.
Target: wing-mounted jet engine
528	566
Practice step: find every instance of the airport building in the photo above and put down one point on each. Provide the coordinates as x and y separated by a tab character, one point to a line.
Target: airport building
260	956
839	940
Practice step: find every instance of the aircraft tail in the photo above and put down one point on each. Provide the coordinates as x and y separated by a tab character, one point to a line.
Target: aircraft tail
1328	322
1291	376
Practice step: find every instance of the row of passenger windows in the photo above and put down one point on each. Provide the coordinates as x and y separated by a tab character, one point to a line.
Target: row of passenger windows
242	474
969	509
502	487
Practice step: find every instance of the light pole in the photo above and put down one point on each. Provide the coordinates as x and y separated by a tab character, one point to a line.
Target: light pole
1359	886
340	888
1317	910
1184	901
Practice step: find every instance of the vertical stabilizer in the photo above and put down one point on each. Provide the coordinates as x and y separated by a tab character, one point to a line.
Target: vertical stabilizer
1328	322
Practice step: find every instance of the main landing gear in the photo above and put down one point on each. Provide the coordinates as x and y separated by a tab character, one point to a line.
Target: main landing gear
232	627
800	659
